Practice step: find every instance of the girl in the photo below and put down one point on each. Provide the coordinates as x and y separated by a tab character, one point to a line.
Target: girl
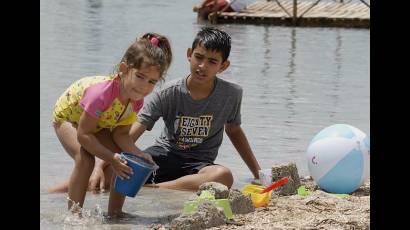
93	116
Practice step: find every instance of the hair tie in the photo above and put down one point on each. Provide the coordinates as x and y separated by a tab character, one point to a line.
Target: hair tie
154	41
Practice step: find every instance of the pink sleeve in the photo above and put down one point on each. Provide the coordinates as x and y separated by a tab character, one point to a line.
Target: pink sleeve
137	105
97	98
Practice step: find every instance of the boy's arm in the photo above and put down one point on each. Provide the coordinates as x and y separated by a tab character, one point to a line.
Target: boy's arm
137	129
239	140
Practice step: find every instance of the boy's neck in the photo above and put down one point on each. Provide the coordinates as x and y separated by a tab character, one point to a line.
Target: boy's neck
199	91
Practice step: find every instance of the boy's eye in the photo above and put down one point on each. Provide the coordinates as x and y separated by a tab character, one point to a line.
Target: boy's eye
153	82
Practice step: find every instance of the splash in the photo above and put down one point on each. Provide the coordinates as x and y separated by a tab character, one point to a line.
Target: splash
155	192
153	177
78	216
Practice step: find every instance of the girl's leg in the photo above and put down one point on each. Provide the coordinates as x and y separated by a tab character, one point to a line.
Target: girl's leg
104	136
78	183
83	162
115	202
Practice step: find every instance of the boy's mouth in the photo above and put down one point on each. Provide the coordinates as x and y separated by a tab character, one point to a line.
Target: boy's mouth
200	74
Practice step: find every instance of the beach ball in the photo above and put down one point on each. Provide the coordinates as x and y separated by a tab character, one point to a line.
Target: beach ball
339	158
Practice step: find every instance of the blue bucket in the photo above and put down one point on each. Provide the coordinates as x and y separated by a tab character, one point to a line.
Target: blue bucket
142	170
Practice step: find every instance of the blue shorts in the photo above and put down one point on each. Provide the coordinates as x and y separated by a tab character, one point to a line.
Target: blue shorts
172	166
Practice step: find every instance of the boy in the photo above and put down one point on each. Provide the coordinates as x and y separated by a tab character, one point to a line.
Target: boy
196	110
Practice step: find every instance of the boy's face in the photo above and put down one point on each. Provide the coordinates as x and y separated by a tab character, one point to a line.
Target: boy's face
205	64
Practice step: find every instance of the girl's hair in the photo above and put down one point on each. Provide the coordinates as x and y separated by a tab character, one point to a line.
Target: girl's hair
151	49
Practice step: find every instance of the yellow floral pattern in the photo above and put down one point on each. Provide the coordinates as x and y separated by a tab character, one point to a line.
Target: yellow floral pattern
67	107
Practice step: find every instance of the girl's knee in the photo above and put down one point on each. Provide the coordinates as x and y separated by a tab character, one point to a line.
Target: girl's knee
85	159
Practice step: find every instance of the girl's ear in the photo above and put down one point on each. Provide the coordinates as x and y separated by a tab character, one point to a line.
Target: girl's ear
189	53
122	67
224	66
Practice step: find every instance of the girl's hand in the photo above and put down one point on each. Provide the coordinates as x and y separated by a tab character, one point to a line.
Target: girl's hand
147	157
120	167
97	180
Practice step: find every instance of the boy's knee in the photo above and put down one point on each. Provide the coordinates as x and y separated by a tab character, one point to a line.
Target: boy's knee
228	177
224	175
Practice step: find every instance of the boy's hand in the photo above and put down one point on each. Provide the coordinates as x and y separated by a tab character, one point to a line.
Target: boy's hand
120	167
97	180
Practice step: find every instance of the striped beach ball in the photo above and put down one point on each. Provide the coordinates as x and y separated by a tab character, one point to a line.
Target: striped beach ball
339	158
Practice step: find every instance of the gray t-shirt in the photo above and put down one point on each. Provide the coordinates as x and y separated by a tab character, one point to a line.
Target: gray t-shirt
193	128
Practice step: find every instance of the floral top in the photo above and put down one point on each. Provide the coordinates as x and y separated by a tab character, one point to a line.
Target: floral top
98	96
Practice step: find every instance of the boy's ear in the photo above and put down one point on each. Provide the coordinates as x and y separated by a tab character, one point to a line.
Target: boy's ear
189	53
224	66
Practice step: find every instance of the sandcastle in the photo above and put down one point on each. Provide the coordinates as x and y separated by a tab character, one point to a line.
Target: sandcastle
286	170
209	215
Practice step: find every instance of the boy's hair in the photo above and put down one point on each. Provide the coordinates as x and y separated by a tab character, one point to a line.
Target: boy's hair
215	40
151	49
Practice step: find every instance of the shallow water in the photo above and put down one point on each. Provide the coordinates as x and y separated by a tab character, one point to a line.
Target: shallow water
296	81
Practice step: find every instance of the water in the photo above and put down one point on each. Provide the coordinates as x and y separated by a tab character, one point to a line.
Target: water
296	81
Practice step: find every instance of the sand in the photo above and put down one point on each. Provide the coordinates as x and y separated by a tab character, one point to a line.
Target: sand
319	210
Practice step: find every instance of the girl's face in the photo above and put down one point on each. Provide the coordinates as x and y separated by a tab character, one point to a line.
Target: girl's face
138	83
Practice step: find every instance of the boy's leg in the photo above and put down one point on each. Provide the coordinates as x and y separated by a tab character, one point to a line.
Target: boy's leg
59	188
63	186
216	173
180	173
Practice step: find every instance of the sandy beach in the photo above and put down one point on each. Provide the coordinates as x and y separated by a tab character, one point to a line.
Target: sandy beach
318	210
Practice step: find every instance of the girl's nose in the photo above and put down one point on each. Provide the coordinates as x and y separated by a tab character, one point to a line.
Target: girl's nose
147	87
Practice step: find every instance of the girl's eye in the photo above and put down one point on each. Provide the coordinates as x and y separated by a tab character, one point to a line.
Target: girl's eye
152	82
139	76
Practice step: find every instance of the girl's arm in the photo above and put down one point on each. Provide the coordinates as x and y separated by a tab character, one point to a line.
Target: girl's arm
123	139
239	140
85	134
